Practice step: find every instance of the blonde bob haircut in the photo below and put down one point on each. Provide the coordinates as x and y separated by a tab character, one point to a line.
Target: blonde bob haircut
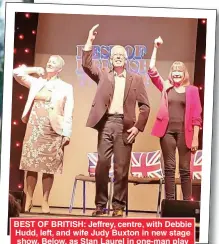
179	66
60	59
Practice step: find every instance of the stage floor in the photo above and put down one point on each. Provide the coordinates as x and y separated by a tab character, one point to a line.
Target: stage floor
63	212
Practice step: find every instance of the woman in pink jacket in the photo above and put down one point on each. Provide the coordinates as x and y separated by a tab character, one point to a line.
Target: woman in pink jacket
177	123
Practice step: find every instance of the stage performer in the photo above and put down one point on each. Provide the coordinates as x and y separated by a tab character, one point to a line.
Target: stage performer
177	123
113	115
48	114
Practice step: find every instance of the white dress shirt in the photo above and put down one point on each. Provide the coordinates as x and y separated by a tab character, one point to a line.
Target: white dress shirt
116	106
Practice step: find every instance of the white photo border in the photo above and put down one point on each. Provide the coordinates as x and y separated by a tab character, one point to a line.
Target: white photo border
210	15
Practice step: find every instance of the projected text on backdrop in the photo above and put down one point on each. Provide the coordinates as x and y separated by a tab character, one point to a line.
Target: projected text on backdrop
101	55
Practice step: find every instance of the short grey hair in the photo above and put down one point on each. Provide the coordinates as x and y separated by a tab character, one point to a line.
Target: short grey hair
61	60
118	46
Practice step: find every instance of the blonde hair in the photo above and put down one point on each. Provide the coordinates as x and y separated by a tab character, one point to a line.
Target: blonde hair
61	60
179	66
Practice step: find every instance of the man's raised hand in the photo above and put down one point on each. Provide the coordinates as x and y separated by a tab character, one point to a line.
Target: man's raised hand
92	33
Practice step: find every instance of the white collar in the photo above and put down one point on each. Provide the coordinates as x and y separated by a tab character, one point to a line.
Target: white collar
123	74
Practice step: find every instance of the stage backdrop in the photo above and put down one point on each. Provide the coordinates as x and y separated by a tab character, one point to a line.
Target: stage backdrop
61	34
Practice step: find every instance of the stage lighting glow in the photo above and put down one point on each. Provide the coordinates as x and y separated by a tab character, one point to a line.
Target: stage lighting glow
20	186
15	122
33	32
27	15
26	50
18	144
21	36
21	97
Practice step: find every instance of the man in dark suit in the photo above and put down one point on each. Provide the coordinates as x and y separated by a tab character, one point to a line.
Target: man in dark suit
113	115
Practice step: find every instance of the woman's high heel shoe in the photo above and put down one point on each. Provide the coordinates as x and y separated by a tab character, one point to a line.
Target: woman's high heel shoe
45	207
28	206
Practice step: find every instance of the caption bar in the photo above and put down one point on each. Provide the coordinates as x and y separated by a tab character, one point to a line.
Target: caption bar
102	231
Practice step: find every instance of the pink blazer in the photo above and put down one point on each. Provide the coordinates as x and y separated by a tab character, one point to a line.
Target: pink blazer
192	112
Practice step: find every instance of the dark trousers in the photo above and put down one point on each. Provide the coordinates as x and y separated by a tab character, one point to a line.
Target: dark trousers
110	141
168	145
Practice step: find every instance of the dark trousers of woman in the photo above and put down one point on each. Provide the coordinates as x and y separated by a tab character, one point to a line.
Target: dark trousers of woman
169	143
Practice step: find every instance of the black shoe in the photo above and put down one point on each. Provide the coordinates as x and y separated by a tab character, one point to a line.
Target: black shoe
99	212
117	213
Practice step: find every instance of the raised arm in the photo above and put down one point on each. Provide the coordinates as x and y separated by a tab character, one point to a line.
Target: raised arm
157	43
152	72
22	75
87	64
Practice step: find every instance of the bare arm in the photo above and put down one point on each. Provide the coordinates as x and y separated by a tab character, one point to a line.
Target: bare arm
157	43
153	58
196	131
88	45
152	72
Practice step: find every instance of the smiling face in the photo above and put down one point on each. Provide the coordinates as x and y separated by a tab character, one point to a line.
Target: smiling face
179	74
54	64
118	56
